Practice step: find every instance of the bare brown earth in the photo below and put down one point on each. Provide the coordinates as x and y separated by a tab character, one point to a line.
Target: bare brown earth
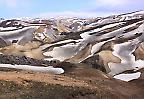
78	83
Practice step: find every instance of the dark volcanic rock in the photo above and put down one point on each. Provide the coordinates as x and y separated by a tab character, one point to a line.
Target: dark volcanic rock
93	62
22	60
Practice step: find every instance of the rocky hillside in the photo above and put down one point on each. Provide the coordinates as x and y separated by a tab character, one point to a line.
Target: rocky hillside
90	54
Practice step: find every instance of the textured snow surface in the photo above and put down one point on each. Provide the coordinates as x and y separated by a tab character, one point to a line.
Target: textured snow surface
49	69
128	77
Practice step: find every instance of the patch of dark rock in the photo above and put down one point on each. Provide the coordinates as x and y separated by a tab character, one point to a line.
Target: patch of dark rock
93	63
67	66
22	60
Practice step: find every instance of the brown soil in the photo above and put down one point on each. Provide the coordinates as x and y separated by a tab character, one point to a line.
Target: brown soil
79	81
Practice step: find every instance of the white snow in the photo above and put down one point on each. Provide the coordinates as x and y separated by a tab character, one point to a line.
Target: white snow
97	47
50	33
128	77
63	52
124	52
60	42
17	31
8	28
49	69
8	23
86	35
140	29
117	32
139	64
132	15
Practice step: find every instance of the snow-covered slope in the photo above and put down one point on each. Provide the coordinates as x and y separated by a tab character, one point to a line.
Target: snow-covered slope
117	39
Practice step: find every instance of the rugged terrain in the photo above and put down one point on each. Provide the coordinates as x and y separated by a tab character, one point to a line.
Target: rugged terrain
73	58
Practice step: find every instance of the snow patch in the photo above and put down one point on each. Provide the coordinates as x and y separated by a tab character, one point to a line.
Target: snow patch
8	28
128	77
124	52
49	69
